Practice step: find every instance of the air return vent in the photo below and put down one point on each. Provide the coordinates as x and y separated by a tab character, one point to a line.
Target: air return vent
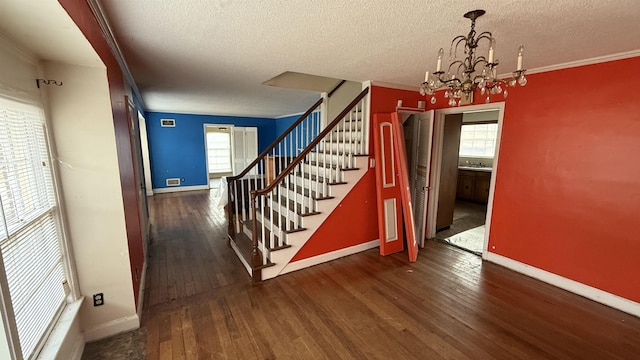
173	182
168	122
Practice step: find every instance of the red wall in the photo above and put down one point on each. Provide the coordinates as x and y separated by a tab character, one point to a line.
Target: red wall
81	14
353	222
567	191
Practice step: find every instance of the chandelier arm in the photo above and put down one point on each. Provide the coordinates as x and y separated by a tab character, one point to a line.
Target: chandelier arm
457	62
484	35
479	60
457	40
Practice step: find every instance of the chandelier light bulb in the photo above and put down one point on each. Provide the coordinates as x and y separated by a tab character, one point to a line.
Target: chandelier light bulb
492	45
520	52
439	63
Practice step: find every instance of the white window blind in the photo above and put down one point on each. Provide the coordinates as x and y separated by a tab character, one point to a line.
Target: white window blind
30	238
219	152
478	140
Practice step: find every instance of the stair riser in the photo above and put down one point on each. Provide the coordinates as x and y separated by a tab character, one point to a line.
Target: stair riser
341	147
320	171
339	160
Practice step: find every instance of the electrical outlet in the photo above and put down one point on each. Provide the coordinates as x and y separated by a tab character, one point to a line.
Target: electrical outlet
98	299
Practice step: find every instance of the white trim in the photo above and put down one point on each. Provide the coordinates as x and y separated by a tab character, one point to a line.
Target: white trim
319	259
78	349
112	327
390	206
180	188
589	61
58	336
573	286
107	33
141	291
240	256
383	163
284	116
439	117
394	86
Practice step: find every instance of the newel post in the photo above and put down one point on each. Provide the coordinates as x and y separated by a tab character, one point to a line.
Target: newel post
256	259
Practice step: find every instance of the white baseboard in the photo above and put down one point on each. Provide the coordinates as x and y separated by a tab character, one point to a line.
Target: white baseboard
575	287
305	263
112	327
141	292
179	188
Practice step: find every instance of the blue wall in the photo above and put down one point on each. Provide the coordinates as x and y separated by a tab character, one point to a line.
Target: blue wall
179	152
283	124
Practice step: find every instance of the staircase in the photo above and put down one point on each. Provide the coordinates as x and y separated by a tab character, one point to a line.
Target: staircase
282	197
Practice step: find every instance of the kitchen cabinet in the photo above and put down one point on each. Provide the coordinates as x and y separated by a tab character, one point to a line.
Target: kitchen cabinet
466	184
473	185
483	181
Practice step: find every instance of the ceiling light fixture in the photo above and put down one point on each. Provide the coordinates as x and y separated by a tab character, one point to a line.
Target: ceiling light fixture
461	79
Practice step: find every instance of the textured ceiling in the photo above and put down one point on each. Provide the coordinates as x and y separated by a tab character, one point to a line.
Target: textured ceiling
211	56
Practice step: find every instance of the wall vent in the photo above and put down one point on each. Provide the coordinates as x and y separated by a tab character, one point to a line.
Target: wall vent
173	182
168	122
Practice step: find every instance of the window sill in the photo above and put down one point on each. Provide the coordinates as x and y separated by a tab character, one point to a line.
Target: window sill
58	339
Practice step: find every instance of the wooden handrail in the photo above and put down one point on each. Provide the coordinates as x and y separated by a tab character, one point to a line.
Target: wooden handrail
336	88
313	144
276	142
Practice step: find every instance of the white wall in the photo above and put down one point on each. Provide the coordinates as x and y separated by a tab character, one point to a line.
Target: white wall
82	126
18	71
342	97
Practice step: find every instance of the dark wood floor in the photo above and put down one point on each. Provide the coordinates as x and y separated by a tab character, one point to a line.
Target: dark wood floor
449	305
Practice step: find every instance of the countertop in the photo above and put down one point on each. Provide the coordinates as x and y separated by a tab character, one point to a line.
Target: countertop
474	168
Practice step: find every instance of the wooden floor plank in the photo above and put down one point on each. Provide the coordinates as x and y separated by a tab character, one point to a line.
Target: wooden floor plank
200	303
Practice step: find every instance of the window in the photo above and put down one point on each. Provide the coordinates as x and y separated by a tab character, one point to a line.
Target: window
30	236
219	152
478	140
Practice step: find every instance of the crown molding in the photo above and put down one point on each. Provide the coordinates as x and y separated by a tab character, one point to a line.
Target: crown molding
583	62
107	32
394	86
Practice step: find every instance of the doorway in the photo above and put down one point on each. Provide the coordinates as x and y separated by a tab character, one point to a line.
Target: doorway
219	153
465	153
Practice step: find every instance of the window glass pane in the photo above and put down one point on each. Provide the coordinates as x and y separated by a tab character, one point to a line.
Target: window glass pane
219	152
31	252
478	140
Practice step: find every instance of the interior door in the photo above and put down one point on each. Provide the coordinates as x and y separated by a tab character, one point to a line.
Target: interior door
387	187
251	147
138	170
404	184
245	148
424	131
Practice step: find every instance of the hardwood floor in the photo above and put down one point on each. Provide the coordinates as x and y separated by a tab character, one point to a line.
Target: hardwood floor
199	304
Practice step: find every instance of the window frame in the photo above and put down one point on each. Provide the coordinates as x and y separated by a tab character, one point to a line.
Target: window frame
495	140
71	288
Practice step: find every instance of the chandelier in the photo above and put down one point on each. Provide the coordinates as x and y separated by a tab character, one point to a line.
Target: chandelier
465	75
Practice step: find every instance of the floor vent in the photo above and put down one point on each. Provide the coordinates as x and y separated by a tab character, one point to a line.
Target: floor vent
173	182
